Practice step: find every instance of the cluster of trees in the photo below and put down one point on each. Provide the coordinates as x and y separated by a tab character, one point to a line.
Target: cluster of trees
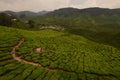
5	20
13	21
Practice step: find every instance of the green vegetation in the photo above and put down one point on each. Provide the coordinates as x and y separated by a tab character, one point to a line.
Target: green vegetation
5	20
73	57
76	45
98	25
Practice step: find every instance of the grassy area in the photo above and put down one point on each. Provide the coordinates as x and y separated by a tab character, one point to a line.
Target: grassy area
74	57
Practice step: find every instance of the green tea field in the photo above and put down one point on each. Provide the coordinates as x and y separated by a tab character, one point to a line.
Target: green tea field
55	55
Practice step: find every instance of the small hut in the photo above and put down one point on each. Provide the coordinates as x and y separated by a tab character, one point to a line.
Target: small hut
38	50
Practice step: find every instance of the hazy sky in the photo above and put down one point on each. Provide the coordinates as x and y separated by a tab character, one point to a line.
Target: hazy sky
39	5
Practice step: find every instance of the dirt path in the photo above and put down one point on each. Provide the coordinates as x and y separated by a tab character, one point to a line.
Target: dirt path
13	52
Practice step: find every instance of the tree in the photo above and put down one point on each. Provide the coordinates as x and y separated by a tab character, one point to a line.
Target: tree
31	23
5	20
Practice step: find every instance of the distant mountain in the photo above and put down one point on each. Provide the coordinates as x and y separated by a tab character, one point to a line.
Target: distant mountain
19	14
9	13
42	13
100	11
25	13
64	12
95	11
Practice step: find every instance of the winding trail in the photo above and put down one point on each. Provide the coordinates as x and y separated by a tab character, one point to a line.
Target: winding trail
13	52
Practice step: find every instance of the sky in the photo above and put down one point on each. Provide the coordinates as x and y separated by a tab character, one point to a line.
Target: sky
48	5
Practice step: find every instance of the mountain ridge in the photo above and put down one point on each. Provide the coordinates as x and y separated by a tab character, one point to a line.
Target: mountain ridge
93	11
68	11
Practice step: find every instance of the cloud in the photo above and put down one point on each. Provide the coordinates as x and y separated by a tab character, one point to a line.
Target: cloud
9	1
77	2
38	5
34	5
83	3
95	3
109	3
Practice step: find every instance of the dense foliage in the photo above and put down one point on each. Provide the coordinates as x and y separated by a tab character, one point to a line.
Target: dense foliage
5	19
73	56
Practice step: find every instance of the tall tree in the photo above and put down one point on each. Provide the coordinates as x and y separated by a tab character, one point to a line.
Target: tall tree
5	20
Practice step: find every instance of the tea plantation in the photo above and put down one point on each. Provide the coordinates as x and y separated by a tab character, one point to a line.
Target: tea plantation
65	56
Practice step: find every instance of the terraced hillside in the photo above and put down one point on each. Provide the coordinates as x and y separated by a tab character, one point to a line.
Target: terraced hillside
60	56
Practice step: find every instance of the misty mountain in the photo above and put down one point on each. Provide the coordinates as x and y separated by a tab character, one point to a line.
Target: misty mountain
9	13
88	11
42	13
25	13
64	12
95	11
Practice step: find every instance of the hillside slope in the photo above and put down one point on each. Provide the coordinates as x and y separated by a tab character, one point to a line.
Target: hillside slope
73	57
